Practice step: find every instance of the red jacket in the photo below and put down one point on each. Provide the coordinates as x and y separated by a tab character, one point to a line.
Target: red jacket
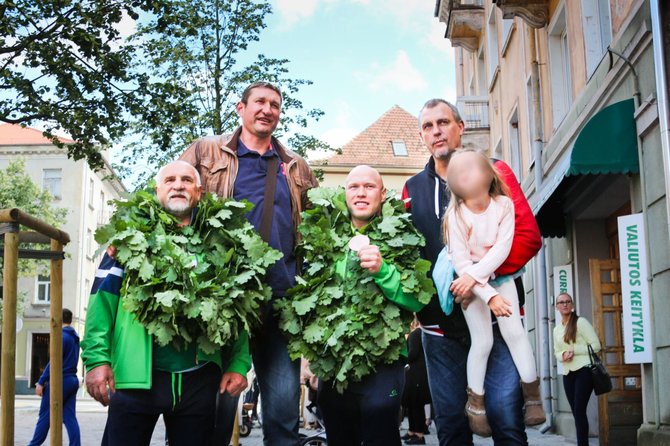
527	240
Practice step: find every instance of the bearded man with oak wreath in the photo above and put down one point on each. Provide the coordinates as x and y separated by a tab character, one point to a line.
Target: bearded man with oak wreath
136	377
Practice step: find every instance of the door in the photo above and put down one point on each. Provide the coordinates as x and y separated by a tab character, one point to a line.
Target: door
39	357
619	411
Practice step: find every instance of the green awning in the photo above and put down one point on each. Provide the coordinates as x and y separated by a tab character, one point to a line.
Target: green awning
607	143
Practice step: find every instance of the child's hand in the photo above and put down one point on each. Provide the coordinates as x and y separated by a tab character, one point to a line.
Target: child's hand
463	285
500	306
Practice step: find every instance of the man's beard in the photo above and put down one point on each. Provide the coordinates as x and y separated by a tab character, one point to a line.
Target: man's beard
179	209
443	154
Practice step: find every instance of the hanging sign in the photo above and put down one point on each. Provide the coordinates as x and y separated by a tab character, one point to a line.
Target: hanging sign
562	284
634	290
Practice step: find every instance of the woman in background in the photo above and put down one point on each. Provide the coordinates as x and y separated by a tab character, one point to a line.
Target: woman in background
571	340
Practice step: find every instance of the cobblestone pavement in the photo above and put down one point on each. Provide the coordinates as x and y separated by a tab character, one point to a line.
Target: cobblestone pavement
91	416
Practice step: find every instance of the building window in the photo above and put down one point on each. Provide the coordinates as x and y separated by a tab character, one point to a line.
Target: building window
507	25
597	27
43	294
86	293
515	145
492	40
91	192
51	182
399	148
101	210
559	67
89	243
481	73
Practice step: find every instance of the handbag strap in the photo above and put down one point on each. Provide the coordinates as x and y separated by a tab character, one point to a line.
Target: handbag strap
269	199
592	355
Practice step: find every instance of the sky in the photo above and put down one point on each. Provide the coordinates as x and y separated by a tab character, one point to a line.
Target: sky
364	56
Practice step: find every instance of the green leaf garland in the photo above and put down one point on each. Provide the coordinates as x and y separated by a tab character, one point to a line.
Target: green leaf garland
345	327
203	282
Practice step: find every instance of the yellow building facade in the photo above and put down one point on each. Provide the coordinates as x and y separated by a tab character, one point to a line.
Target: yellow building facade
571	95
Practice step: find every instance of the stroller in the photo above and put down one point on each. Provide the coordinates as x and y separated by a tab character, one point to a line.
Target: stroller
318	438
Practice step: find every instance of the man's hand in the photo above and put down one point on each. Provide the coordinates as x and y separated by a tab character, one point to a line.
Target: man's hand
233	383
567	356
111	251
464	300
463	285
39	390
97	382
500	306
371	258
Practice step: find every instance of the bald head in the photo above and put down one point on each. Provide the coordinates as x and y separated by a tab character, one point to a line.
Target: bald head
365	172
179	164
365	194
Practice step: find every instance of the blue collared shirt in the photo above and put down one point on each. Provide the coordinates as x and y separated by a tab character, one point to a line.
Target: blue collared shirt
250	185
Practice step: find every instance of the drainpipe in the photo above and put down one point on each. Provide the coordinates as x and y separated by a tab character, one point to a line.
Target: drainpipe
540	282
663	116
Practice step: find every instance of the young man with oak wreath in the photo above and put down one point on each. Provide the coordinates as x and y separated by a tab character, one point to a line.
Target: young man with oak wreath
360	404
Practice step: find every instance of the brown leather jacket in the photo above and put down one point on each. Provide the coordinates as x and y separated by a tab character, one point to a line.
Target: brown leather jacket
215	157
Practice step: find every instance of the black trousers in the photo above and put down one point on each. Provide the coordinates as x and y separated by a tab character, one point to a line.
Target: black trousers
367	411
187	403
416	413
578	387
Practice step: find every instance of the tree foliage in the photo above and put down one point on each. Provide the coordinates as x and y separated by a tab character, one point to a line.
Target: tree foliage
17	190
202	49
63	64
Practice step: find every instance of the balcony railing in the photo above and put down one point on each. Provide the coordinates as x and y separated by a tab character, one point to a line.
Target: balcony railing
474	111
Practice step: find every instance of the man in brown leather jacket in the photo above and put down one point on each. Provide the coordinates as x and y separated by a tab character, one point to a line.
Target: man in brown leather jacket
236	166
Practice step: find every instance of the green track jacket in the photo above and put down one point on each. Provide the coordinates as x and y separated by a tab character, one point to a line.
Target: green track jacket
113	336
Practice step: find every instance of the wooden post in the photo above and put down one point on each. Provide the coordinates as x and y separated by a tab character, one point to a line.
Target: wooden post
56	348
235	439
8	383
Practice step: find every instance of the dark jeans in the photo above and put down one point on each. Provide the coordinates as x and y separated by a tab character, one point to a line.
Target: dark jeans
70	387
578	387
187	407
446	363
279	381
367	411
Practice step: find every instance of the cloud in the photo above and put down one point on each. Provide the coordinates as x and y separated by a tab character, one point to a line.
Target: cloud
339	136
292	11
342	130
399	75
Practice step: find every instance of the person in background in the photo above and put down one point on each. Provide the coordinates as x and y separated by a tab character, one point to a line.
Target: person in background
416	393
571	340
70	387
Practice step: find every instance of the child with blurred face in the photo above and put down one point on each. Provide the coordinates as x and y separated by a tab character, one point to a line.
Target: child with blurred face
478	229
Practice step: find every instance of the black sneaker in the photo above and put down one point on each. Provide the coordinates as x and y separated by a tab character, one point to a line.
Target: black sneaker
416	440
407	436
